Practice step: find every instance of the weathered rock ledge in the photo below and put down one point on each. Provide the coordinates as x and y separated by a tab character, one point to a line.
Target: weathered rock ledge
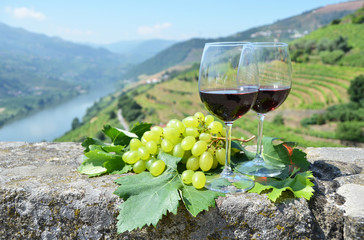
43	197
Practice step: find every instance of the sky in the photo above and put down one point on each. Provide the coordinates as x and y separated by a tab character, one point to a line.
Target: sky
109	21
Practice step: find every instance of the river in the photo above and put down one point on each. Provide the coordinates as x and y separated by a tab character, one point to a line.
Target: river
50	123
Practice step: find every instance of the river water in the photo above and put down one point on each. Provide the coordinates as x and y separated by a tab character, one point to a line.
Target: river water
48	124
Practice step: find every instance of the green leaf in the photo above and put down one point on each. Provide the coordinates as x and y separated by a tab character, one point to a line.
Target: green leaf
113	148
118	136
300	186
91	141
147	198
92	167
198	200
140	128
99	162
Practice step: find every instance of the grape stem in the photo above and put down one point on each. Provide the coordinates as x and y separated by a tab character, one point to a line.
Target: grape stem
215	139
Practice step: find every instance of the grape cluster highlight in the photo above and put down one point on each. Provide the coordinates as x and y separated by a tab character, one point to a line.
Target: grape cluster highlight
197	139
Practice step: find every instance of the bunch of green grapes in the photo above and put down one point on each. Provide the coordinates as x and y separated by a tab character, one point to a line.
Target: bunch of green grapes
197	139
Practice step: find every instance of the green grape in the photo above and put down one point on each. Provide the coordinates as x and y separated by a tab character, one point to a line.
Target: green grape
178	151
215	127
157	168
198	148
211	149
186	156
209	119
132	157
157	129
190	122
143	153
151	147
135	144
193	163
215	163
144	141
177	124
199	116
187	176
188	142
191	131
166	145
149	162
139	166
171	134
220	155
151	136
125	156
206	161
198	180
205	137
223	132
171	123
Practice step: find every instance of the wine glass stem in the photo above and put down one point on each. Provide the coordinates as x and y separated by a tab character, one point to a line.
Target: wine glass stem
260	136
227	169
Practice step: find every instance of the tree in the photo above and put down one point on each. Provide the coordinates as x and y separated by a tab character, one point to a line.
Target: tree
75	123
356	89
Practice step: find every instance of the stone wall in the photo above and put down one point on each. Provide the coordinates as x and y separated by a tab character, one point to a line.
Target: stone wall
44	197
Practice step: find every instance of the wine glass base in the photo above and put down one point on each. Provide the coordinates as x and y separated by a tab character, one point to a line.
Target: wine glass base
259	168
229	183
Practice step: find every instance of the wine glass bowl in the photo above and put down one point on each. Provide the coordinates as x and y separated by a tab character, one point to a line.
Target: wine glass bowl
228	87
274	71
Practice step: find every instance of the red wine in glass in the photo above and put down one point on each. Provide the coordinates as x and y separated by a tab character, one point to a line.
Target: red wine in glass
275	79
228	104
270	98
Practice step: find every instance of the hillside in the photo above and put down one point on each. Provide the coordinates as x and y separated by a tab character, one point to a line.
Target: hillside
37	71
138	51
339	43
284	30
314	87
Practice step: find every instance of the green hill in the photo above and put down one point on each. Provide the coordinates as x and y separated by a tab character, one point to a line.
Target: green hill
37	71
314	87
339	43
284	30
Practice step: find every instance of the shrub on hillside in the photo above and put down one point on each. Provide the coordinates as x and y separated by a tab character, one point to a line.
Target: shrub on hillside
356	89
352	131
331	57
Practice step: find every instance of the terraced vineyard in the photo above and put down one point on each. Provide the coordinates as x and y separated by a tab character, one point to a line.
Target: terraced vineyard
314	88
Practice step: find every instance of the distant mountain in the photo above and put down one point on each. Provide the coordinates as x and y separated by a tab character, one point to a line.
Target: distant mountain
284	30
55	58
37	71
137	51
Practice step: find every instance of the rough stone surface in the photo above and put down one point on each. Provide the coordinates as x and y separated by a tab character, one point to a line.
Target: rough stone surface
42	196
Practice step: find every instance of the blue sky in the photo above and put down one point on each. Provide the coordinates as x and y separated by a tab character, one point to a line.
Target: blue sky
116	20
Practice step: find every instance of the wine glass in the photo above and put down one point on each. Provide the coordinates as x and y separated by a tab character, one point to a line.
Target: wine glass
275	79
228	86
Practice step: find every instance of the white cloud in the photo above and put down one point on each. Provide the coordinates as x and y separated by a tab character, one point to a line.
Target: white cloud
149	30
25	13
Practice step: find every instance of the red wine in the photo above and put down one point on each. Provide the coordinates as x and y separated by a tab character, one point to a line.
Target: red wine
229	104
270	98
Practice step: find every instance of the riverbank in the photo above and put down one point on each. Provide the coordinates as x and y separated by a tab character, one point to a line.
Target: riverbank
53	121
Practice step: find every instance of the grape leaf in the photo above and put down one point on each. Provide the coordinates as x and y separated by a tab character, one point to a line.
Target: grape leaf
198	200
300	185
147	198
140	128
99	162
91	141
92	167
